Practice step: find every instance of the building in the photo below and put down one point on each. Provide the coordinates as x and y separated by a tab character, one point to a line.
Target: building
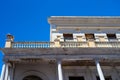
80	48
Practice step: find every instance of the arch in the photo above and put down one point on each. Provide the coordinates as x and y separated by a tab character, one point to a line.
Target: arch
32	77
33	73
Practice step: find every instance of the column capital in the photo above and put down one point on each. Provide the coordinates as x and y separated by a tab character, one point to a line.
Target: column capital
58	59
96	59
8	63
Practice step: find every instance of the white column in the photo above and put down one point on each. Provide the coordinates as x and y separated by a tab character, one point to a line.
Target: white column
3	72
11	73
60	76
6	72
100	73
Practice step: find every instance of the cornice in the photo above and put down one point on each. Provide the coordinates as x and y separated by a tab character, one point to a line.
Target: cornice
87	20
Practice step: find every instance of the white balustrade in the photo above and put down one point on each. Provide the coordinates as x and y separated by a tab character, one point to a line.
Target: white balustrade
64	44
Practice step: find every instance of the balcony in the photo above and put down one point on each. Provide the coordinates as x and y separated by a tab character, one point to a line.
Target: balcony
65	44
66	50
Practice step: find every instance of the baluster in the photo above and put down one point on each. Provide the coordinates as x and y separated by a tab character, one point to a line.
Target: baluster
26	45
38	45
29	44
65	44
41	45
73	44
20	45
112	44
68	44
34	44
23	45
48	44
16	45
44	45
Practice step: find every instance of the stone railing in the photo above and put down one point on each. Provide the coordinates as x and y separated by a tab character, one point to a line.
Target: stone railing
114	44
74	44
58	44
32	44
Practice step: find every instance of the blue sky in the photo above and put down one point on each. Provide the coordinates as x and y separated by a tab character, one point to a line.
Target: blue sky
27	19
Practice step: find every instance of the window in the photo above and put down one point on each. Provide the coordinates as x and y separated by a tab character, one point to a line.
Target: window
76	78
90	36
68	37
111	36
106	78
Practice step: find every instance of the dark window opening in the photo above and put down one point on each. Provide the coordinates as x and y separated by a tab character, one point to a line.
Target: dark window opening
111	36
90	36
68	37
76	78
106	78
32	77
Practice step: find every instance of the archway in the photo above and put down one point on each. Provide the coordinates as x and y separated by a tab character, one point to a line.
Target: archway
32	77
33	73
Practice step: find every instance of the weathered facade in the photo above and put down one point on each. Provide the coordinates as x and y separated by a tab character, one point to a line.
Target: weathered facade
80	48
